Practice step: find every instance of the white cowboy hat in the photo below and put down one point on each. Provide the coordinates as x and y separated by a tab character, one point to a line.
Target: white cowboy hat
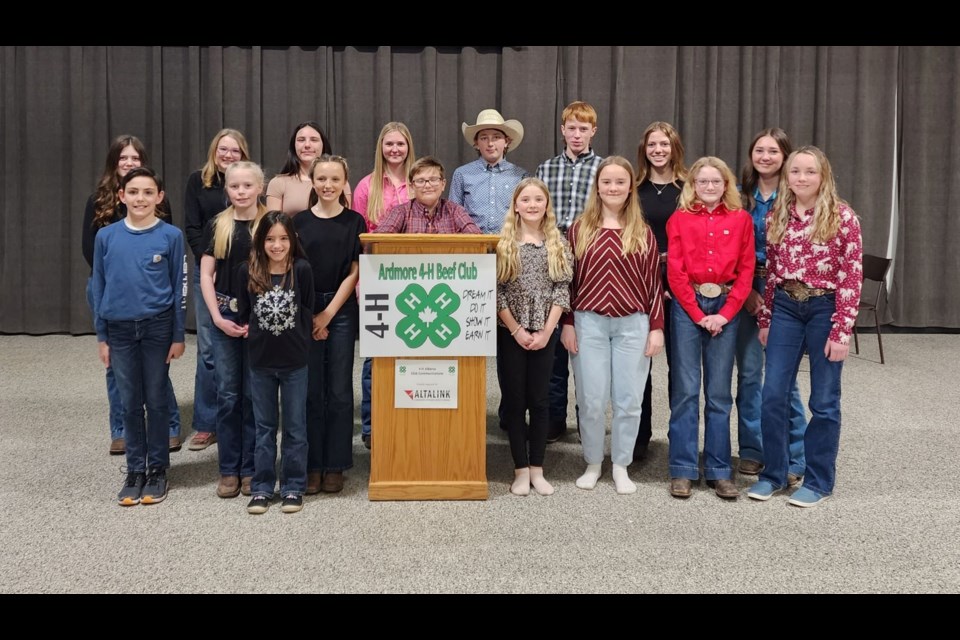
491	119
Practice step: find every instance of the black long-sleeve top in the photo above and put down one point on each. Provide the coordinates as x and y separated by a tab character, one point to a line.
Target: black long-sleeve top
200	205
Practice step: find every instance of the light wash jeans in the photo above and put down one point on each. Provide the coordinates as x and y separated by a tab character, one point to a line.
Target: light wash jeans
610	365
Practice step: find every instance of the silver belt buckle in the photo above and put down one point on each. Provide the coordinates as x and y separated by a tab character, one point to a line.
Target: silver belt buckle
709	289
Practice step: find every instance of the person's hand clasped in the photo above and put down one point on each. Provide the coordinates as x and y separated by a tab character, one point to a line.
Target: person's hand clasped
539	339
231	328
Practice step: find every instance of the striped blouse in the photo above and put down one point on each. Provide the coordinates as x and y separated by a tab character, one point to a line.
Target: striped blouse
609	284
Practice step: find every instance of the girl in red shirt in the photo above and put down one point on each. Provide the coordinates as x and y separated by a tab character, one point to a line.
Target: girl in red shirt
710	270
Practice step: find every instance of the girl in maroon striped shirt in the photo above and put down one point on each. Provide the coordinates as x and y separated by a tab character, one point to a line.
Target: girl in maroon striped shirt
617	319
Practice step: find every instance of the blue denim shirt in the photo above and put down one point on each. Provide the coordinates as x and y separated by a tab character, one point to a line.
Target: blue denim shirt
759	215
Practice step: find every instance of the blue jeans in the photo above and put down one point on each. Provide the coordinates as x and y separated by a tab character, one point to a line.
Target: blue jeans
205	381
610	366
330	391
795	327
559	381
693	346
236	429
116	404
749	393
138	355
291	384
366	383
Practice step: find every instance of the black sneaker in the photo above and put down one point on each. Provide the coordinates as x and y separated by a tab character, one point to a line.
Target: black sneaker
132	488
156	488
366	439
291	504
258	505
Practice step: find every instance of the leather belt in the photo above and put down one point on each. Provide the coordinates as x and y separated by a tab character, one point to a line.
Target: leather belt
800	292
760	272
710	289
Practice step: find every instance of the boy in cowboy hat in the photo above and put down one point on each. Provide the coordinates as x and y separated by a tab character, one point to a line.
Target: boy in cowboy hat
485	186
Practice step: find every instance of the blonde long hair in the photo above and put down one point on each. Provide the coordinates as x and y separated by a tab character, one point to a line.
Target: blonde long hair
210	170
731	197
375	199
224	223
826	210
635	228
508	253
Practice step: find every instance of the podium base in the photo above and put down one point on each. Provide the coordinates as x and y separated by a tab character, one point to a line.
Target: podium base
428	490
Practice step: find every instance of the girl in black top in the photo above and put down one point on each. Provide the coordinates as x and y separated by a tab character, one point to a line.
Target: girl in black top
329	233
660	177
277	308
203	199
227	239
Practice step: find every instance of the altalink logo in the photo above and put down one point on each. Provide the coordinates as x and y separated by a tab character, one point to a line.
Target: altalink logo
428	315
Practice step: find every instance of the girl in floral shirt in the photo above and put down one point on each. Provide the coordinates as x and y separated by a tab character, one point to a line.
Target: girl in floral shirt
814	273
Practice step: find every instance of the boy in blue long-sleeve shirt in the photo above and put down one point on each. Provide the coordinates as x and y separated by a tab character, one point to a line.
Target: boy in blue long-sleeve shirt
139	291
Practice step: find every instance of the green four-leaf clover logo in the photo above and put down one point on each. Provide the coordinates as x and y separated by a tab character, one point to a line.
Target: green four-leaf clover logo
428	315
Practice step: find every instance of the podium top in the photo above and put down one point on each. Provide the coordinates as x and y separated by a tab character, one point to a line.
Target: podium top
426	240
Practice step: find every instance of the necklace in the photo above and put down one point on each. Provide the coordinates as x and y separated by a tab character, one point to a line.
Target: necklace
661	189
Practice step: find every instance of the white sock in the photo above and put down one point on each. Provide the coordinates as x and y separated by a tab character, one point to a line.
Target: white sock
521	482
540	483
622	480
589	478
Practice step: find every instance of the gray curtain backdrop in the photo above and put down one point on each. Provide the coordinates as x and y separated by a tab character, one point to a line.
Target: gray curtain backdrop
885	116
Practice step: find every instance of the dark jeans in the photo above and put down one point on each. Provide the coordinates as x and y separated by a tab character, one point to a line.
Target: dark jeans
138	355
236	429
646	420
796	327
116	405
330	391
366	382
559	385
525	385
291	384
205	380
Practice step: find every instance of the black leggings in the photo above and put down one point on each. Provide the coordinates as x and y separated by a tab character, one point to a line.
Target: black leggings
525	385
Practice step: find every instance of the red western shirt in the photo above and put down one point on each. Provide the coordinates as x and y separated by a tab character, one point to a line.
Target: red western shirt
710	246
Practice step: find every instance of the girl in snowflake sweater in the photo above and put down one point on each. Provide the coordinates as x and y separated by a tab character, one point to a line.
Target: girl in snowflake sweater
277	307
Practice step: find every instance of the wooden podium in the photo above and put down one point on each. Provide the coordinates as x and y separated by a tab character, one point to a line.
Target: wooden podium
429	454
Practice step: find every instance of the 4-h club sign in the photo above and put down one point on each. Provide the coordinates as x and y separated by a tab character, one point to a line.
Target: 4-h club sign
428	305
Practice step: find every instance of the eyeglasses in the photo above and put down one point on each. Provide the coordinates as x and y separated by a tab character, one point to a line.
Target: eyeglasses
704	183
419	182
229	152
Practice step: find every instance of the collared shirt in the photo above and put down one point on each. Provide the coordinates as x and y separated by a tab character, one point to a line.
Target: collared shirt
412	217
569	182
836	265
392	197
486	191
710	246
759	215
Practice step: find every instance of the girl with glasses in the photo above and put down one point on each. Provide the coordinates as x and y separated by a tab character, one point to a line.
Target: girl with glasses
709	268
203	199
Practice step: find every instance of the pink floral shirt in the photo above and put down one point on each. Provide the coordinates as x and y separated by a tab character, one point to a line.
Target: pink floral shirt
836	265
